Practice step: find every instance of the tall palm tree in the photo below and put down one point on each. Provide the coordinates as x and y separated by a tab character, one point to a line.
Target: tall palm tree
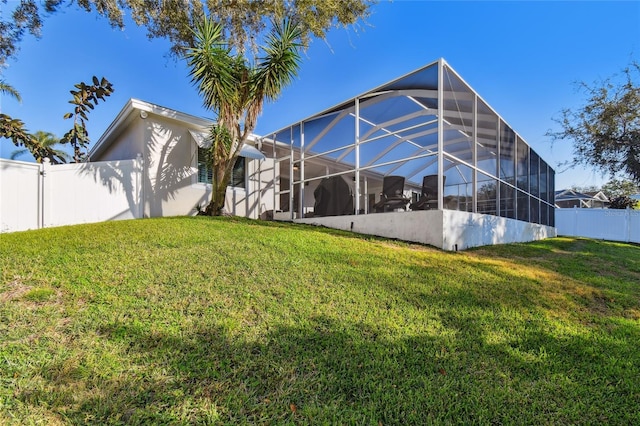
48	141
235	89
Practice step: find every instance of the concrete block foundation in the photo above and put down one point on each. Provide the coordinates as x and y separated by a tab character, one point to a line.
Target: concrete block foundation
445	229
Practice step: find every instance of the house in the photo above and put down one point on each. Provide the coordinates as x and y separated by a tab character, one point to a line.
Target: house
569	198
428	132
175	173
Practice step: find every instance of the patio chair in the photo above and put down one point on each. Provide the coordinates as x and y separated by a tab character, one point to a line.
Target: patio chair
429	194
392	197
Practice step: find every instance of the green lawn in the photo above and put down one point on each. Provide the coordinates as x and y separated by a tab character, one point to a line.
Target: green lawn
229	321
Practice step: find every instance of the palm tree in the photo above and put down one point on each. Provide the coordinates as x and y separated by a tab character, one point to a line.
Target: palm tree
235	89
7	89
47	140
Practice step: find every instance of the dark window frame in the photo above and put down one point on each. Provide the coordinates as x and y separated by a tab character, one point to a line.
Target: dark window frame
205	172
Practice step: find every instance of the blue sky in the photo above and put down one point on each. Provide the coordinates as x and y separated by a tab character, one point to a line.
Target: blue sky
523	58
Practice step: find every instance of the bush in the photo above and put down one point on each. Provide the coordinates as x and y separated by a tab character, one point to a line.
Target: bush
623	203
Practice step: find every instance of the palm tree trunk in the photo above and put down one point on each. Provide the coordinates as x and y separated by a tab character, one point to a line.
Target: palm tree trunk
221	176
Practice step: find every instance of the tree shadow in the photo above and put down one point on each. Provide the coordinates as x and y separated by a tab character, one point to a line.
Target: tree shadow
162	174
117	176
323	370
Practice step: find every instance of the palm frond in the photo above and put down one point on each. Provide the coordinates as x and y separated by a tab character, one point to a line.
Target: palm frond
47	141
281	61
212	67
7	89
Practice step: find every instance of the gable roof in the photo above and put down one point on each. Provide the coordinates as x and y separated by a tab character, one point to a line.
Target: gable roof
570	194
598	195
136	107
198	127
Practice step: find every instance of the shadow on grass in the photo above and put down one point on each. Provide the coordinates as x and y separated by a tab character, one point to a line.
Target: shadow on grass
482	358
346	373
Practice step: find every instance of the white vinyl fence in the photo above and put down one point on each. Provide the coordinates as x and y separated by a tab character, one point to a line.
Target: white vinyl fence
603	224
36	196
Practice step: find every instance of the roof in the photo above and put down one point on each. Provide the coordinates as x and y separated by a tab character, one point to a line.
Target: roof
135	107
570	194
598	195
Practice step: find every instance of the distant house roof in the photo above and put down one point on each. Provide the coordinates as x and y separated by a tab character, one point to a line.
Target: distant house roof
570	194
568	198
598	195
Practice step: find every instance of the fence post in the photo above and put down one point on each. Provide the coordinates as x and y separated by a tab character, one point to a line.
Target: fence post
2	226
44	169
627	221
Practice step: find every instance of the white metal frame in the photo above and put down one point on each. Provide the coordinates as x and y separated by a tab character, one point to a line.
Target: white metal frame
445	120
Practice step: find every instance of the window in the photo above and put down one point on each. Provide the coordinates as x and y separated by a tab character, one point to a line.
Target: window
237	175
205	173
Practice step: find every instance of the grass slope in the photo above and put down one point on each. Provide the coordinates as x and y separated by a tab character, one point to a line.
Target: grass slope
214	321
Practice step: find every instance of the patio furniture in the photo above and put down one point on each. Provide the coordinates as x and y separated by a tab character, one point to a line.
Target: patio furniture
429	194
333	198
392	196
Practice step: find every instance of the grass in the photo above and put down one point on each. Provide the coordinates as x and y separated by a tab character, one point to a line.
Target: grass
230	321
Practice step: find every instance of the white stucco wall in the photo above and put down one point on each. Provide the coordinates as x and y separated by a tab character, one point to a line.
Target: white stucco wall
170	157
260	185
462	230
444	229
170	186
129	143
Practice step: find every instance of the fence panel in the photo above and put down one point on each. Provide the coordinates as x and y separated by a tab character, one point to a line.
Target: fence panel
20	203
604	224
91	192
45	195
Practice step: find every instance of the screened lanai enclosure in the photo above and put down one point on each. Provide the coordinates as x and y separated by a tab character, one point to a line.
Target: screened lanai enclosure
423	142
